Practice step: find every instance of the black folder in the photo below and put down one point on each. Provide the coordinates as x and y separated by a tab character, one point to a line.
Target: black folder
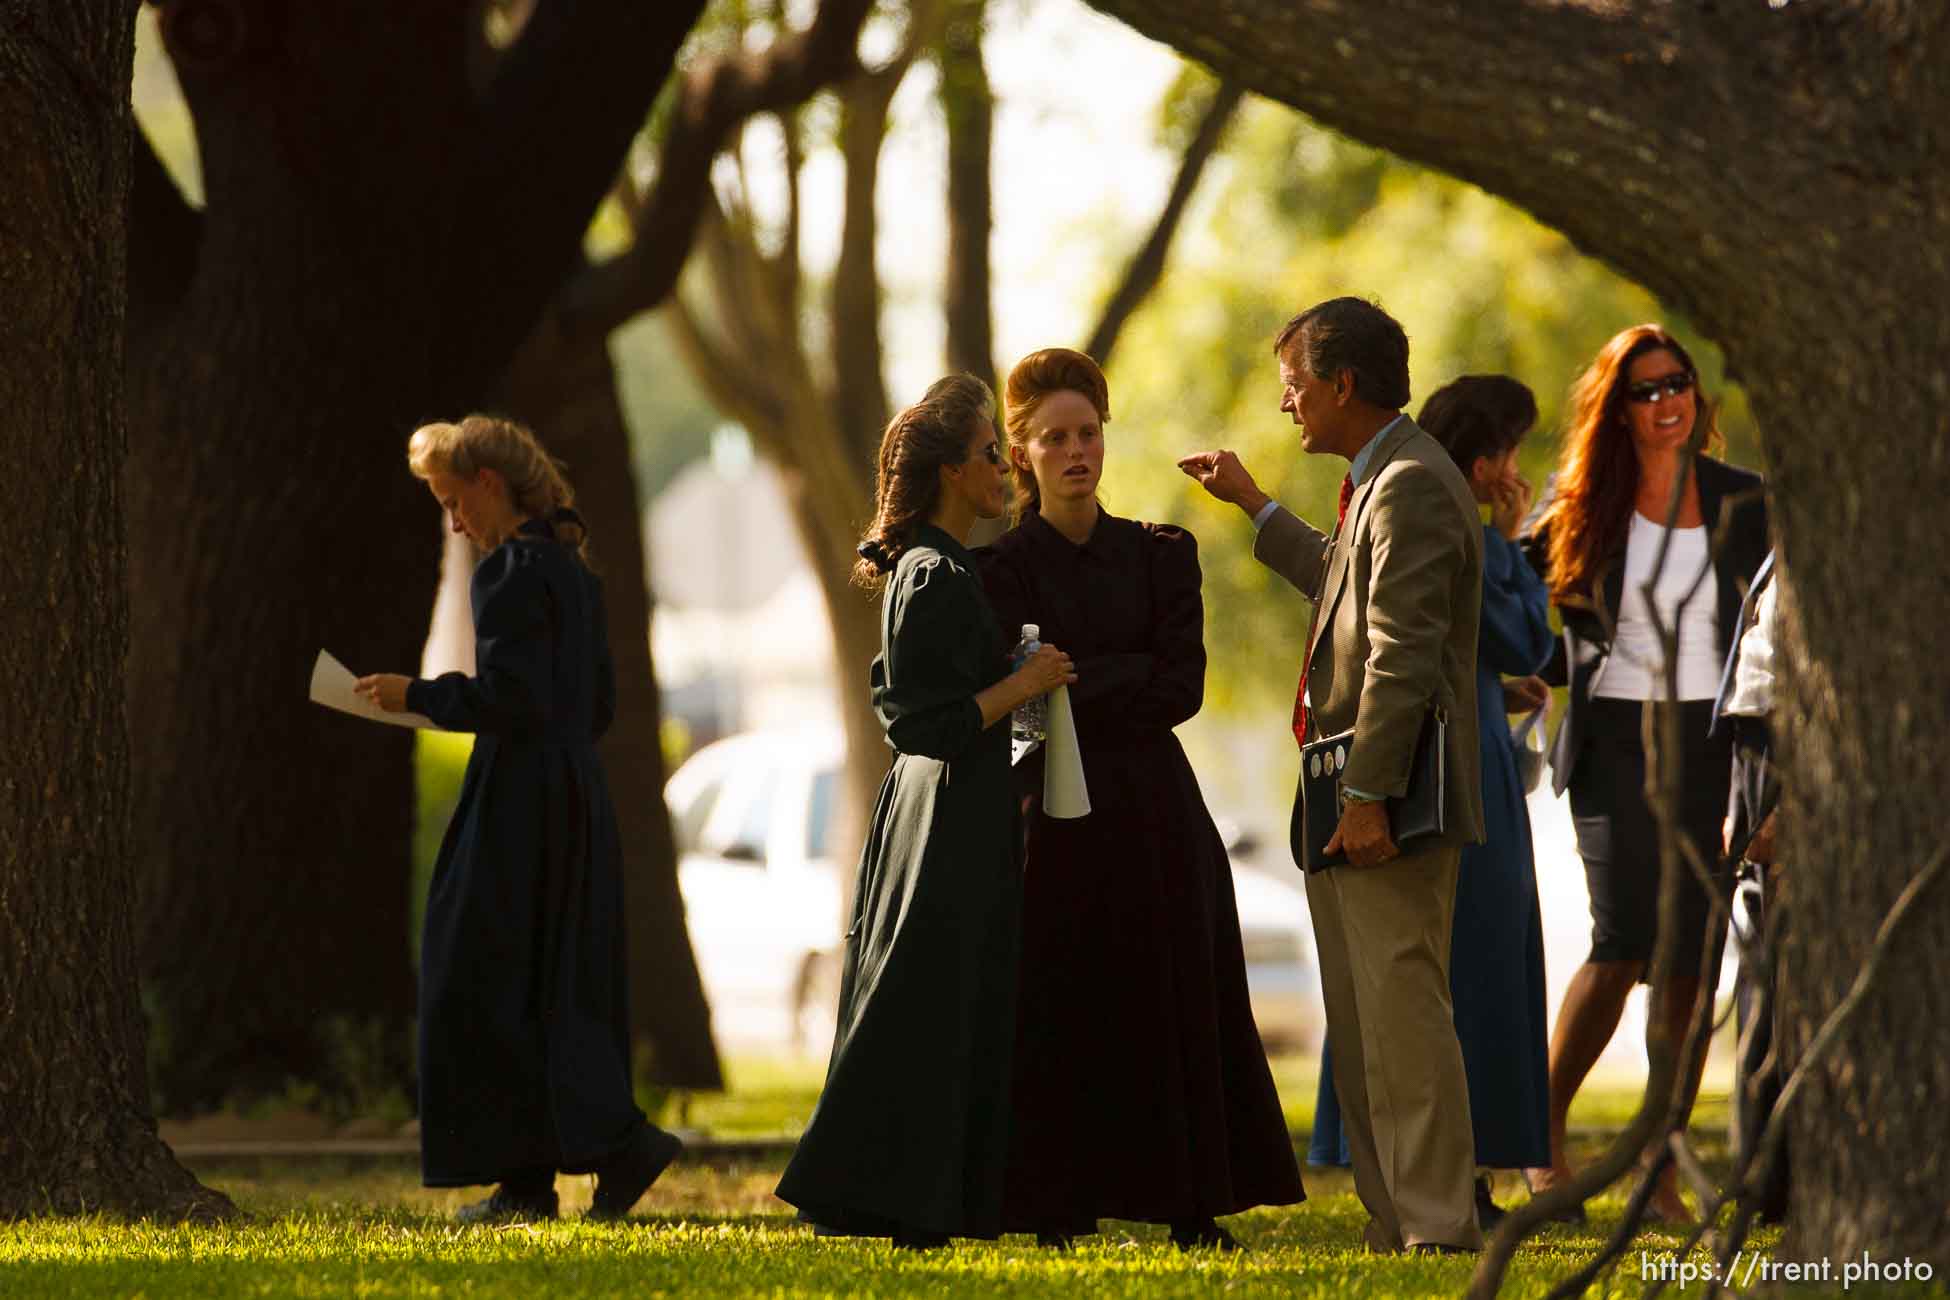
1418	815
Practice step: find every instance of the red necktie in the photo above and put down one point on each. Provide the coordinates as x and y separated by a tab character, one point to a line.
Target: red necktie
1301	718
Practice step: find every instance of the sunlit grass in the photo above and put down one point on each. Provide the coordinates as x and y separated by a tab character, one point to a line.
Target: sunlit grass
337	1230
765	1096
340	1226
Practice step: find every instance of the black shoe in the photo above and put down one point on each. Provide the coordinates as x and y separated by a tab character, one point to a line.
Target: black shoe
918	1239
1488	1212
626	1176
505	1206
1204	1234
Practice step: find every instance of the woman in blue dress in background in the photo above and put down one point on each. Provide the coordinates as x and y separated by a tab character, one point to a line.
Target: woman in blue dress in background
1496	957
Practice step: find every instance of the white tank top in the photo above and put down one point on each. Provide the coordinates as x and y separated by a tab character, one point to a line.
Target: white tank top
1633	671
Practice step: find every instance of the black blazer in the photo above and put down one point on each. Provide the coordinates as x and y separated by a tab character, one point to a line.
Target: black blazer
1589	624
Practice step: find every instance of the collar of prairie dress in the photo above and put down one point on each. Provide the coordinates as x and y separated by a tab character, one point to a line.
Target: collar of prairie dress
1108	541
945	542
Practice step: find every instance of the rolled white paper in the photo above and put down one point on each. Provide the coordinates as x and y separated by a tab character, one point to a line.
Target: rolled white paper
1064	792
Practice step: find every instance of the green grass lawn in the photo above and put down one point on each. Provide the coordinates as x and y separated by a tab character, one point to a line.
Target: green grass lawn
764	1097
334	1227
340	1229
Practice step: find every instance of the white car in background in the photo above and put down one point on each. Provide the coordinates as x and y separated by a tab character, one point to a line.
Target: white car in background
754	815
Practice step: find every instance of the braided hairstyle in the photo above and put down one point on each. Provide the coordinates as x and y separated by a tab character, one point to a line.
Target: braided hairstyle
535	479
918	443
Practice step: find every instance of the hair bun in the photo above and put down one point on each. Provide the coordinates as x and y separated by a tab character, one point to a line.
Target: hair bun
874	552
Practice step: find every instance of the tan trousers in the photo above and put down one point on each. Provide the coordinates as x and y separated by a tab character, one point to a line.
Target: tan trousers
1382	935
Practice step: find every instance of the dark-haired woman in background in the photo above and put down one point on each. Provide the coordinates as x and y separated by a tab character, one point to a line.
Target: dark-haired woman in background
1496	954
1141	1089
1596	543
911	1130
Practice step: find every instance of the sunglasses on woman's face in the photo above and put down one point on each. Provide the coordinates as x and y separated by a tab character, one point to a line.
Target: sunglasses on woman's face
1651	390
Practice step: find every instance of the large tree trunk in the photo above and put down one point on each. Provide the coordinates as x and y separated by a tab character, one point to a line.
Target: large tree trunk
378	240
1777	172
564	383
76	1133
968	106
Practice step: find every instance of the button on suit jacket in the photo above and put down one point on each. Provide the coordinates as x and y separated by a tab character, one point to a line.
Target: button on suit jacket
1398	591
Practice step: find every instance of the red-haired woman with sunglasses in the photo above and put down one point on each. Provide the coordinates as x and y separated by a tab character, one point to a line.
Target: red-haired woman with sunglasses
1599	538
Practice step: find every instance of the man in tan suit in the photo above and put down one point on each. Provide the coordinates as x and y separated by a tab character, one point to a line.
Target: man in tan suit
1397	591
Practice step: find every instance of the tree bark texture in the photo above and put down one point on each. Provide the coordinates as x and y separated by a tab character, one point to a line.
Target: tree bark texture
1147	265
1778	173
379	237
968	105
564	384
76	1132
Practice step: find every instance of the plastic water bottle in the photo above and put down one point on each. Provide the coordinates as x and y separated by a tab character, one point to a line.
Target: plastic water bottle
1030	721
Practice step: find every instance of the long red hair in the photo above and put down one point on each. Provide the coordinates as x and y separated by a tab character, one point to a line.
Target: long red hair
1598	482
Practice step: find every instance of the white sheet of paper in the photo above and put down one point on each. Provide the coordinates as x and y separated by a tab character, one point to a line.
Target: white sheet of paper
331	686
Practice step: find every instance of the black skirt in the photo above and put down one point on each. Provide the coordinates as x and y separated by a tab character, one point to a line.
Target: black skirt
1618	837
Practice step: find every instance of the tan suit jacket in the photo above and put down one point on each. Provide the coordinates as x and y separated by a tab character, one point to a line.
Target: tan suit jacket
1398	596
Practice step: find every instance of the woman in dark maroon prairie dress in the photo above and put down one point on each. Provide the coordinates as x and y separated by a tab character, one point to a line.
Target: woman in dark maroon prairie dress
1140	1089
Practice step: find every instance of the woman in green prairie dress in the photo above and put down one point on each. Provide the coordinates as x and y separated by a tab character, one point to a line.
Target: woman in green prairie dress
911	1132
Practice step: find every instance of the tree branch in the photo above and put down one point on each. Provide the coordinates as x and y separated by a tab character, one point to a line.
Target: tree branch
1678	1106
716	98
726	381
785	264
1757	1164
1664	1073
1758	1167
1613	123
756	319
968	105
860	407
1145	270
165	235
1670	1073
754	369
563	106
